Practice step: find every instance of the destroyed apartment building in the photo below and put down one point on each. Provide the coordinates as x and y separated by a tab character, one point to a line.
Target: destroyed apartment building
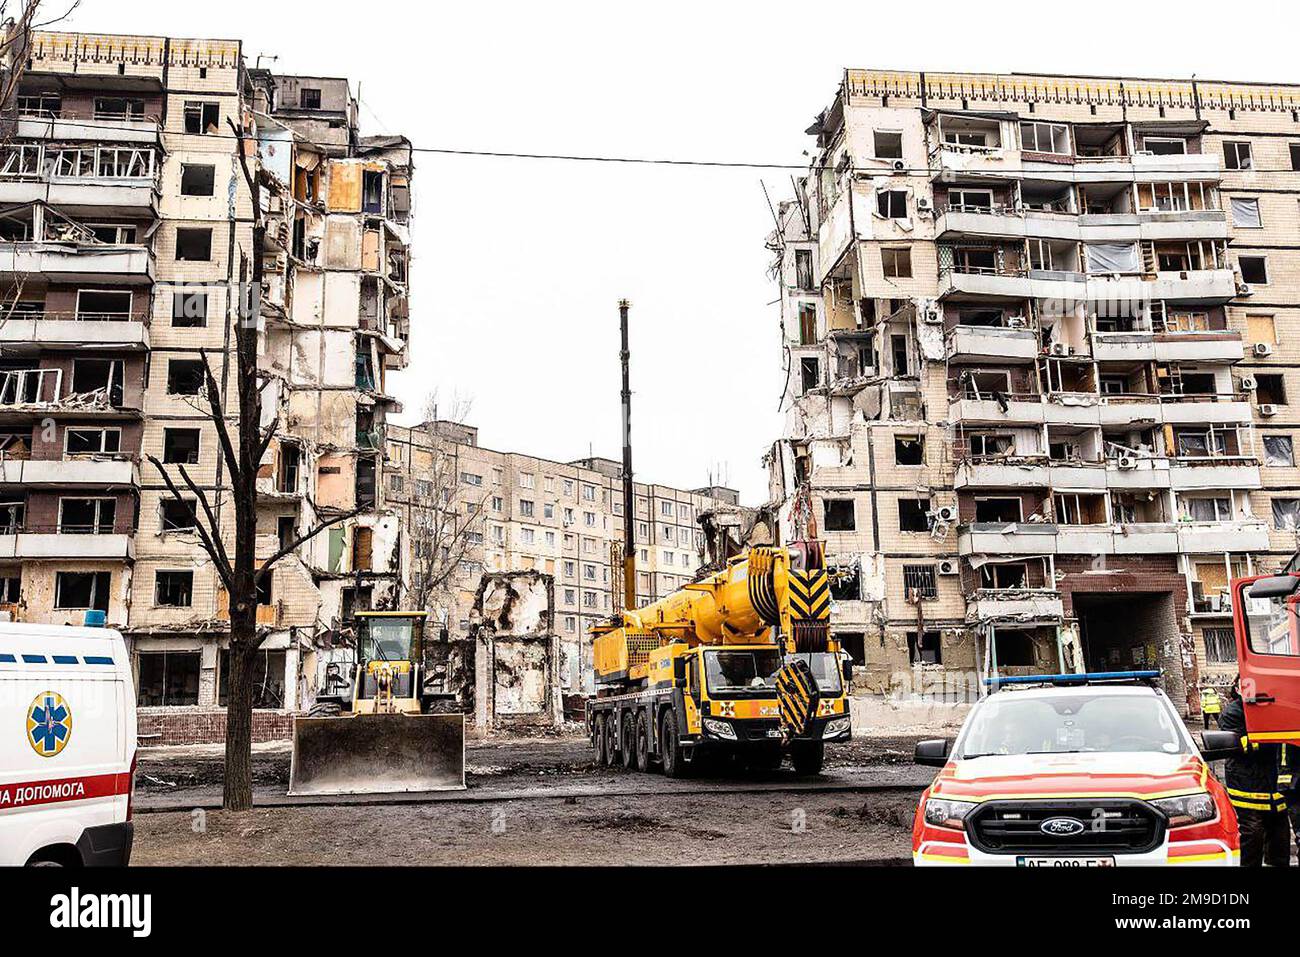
473	511
128	227
1038	346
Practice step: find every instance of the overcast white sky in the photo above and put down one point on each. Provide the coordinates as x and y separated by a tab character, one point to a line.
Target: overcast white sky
519	264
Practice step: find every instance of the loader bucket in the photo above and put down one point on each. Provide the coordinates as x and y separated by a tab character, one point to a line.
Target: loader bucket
378	754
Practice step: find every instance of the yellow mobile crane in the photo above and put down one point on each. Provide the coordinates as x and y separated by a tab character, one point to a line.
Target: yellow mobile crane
740	663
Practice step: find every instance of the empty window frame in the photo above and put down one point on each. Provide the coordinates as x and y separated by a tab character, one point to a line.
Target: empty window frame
1164	145
87	516
909	450
896	262
1176	197
185	376
1237	154
102	378
913	514
986	445
189	309
919	582
803	268
810	373
81	590
181	446
999	576
103	305
198	179
927	651
173	589
998	508
1270	388
839	515
970	200
1075	508
1054	138
888	144
78	441
202	118
1254	269
892	203
178	515
193	244
168	679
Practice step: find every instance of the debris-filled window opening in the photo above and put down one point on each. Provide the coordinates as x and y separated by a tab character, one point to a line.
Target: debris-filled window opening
181	446
919	582
1220	646
999	576
168	679
840	515
179	515
101	377
87	516
185	376
193	244
888	144
803	268
846	583
81	590
998	509
198	179
268	679
913	515
810	373
1279	451
1254	269
173	589
927	651
896	262
189	310
1206	442
909	450
103	305
1270	388
1013	648
93	441
202	118
855	643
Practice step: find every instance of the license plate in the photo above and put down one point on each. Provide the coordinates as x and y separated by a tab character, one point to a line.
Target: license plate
773	733
1065	861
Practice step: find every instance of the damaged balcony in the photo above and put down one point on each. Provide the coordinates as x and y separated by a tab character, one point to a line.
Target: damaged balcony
81	180
1014	604
1045	538
45	543
1000	340
98	330
54	473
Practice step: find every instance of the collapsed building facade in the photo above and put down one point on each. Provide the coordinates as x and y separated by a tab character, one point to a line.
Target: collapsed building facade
1037	341
129	225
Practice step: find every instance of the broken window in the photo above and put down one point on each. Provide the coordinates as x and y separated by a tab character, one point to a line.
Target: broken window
1279	451
1245	212
1286	514
896	262
189	310
1013	648
1045	138
97	305
1003	576
93	441
286	530
185	376
889	145
81	590
919	582
198	179
118	108
927	651
982	445
12	516
839	515
193	244
268	679
1220	646
290	461
173	589
309	98
846	583
913	515
892	203
810	373
898	351
372	191
178	515
181	446
909	450
1236	154
807	324
1270	388
365	487
1072	508
87	516
1210	509
168	679
99	377
803	268
202	118
1254	269
998	510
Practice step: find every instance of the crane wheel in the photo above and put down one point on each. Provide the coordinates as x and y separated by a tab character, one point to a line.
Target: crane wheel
670	747
807	757
642	741
598	741
628	742
610	728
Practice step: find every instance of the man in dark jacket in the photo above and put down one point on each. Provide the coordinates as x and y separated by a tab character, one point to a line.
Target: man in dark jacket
1255	787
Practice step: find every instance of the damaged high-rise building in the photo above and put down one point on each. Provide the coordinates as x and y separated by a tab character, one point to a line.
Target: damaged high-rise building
1037	369
128	228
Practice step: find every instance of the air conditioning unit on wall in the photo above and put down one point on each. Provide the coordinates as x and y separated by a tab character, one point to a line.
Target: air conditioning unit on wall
1268	409
1262	349
945	513
948	566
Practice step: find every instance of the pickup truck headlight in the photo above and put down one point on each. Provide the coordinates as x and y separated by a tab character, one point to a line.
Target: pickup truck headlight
1188	809
942	813
835	727
720	729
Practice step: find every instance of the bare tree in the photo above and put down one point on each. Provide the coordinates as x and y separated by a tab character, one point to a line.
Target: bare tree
240	571
446	514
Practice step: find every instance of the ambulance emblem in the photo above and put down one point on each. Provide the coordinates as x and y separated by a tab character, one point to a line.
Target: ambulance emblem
49	724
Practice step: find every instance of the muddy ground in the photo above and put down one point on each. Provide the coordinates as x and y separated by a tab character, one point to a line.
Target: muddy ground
534	801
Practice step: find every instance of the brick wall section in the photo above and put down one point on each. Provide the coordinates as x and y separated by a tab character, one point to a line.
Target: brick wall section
164	726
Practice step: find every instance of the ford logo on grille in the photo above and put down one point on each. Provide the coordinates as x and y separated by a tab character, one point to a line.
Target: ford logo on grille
1061	826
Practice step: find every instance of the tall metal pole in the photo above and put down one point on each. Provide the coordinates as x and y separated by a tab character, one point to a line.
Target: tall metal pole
629	499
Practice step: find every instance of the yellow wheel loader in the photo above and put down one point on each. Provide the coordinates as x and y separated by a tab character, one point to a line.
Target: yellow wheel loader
387	740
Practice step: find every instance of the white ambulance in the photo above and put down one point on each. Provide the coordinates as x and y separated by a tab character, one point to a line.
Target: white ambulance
67	746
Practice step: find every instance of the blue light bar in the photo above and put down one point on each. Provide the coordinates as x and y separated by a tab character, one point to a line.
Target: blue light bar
1088	677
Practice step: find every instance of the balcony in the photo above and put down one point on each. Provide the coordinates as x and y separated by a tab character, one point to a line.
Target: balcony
48	544
1014	604
992	344
67	262
72	329
1212	346
1004	222
1045	538
1142	167
66	125
1200	285
1183	474
37	473
81	181
952	161
1007	538
1244	535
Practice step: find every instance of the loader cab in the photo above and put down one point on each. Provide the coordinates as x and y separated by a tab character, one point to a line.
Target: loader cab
1266	621
390	636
